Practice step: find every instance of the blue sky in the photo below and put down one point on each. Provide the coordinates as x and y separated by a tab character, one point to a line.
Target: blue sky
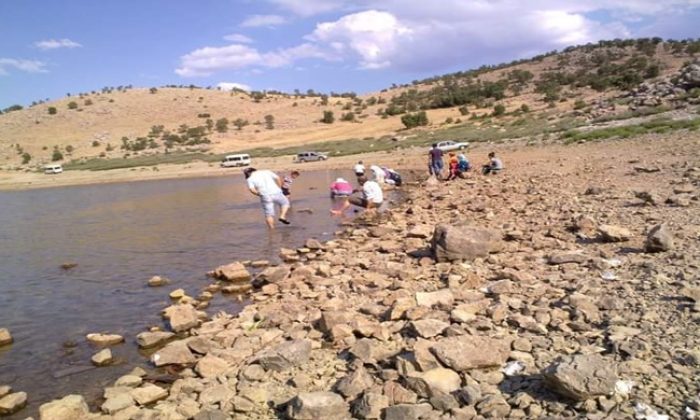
50	48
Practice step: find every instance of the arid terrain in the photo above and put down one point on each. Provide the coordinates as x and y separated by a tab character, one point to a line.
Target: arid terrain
545	291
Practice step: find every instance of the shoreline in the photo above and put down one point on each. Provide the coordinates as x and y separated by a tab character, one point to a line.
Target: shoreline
369	324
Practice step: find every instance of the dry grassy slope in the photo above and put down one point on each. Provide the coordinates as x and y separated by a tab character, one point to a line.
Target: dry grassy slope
131	113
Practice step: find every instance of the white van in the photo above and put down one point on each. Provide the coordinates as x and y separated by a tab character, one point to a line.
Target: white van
53	169
231	161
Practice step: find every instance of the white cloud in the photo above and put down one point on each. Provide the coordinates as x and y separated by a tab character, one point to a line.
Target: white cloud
53	44
27	66
233	85
208	60
238	39
255	21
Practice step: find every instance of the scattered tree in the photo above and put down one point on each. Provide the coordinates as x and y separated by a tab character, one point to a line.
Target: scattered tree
269	122
524	108
579	104
72	105
69	149
222	125
52	110
415	120
499	110
153	90
240	123
328	117
88	102
26	157
56	155
350	117
95	143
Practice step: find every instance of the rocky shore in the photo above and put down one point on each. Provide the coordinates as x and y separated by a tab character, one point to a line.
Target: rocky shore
565	289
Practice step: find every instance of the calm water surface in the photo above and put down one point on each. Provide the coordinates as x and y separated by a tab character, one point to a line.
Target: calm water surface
120	235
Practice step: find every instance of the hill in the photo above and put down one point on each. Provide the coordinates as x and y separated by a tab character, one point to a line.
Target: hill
554	92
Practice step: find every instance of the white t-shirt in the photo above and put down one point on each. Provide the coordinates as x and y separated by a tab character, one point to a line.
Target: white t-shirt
359	168
264	182
372	192
378	173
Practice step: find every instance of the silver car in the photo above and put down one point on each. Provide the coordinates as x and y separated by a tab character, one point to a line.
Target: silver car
310	156
449	145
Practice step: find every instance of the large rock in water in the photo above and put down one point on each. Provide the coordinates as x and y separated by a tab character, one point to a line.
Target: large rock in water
453	243
659	239
581	377
318	405
5	337
466	352
234	272
104	339
182	317
12	403
71	407
148	339
175	353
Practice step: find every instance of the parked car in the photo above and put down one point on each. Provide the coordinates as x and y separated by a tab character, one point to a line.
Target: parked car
53	169
310	156
231	161
449	145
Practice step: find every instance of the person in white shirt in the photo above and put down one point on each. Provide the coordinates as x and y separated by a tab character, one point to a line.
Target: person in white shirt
372	197
268	186
378	174
359	169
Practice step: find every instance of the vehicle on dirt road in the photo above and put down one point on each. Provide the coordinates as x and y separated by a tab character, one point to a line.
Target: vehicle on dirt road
310	157
449	145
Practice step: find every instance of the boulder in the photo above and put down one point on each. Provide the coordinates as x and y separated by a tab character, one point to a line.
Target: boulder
659	239
581	377
175	353
117	403
407	411
182	317
105	339
177	294
318	405
148	339
370	405
211	366
434	382
5	337
71	407
12	403
443	298
285	355
211	414
157	281
466	352
102	358
234	272
148	394
352	384
453	243
611	233
428	328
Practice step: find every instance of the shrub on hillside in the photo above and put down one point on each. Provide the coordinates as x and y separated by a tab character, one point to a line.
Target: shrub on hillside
12	108
221	125
524	108
69	149
88	102
415	120
153	90
56	155
350	116
269	122
240	123
328	117
579	104
95	143
26	157
499	110
52	110
72	105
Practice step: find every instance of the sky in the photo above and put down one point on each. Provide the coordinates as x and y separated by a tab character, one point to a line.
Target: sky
49	48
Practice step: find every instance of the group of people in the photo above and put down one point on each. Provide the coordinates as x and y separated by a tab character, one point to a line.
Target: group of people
458	165
275	191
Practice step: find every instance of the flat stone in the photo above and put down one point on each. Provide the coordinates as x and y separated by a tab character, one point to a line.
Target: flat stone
428	328
234	272
148	394
219	393
5	337
318	405
567	258
211	414
581	377
4	390
157	281
211	366
70	407
147	339
102	358
177	294
611	233
175	353
463	353
370	405
443	298
465	242
285	355
12	403
407	411
131	381
105	339
182	317
117	403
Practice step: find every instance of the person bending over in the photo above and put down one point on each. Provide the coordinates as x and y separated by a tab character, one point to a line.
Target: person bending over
268	186
372	196
341	190
359	169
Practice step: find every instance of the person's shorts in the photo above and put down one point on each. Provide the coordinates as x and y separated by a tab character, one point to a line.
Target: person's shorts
268	203
362	202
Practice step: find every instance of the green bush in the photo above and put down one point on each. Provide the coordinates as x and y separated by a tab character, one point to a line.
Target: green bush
221	125
88	102
499	110
240	123
464	110
95	143
26	157
269	122
415	120
69	149
52	110
328	117
350	116
524	108
56	155
579	104
72	105
153	90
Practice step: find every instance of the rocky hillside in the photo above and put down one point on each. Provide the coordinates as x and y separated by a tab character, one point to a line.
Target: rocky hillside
591	81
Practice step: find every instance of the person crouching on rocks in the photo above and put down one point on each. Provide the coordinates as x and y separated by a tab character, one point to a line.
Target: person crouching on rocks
268	186
494	166
371	199
341	190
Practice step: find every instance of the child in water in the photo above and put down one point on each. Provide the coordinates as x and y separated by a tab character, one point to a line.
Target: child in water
287	182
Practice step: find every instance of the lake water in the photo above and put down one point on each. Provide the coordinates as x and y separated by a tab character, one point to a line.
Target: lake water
120	235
